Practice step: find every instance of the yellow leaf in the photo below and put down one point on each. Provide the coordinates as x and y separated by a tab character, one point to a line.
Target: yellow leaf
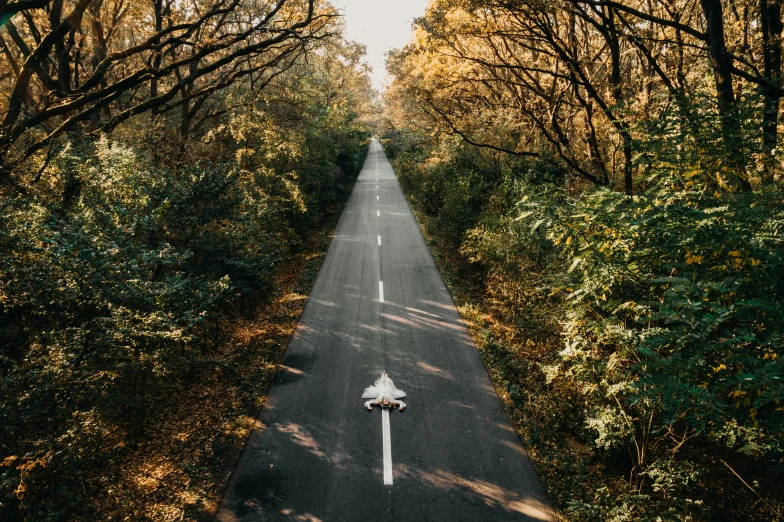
8	460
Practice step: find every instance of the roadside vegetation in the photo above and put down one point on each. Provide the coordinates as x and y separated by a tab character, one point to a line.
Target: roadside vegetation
601	185
169	176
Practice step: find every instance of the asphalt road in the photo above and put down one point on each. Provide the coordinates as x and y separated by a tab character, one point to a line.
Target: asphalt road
317	455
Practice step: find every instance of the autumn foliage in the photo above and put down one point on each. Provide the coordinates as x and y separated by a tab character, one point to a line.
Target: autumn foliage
603	178
162	165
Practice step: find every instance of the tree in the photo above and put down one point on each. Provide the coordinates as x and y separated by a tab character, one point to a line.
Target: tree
93	64
591	71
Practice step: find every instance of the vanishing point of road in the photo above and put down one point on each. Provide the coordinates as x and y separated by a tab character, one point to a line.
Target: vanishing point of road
379	303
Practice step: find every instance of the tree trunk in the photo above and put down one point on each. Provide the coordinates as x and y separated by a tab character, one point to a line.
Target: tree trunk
720	59
617	92
725	94
770	14
156	61
98	36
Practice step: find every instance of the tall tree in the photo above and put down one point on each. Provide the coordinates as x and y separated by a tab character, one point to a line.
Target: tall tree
114	60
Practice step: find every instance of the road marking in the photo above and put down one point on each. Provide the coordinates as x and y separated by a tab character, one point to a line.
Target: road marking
376	185
387	447
384	393
379	240
378	213
376	198
381	291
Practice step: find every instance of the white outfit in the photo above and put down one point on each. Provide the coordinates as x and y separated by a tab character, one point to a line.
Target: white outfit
384	388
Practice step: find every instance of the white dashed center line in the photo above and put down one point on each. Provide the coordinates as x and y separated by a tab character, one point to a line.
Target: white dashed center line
381	291
387	447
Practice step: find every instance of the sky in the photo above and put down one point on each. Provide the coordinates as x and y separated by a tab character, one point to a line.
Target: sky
380	25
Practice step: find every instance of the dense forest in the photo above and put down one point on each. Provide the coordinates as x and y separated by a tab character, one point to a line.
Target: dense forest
600	181
163	163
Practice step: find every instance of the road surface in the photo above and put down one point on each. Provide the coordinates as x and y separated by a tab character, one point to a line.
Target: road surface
317	455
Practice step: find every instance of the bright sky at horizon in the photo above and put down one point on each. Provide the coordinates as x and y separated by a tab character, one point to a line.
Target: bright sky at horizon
380	25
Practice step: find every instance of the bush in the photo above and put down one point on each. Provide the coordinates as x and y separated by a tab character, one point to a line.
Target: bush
111	298
669	305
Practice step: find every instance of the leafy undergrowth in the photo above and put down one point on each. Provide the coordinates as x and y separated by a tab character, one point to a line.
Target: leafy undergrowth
582	484
199	425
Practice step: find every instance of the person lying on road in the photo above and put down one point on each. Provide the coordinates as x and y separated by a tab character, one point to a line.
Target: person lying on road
384	393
